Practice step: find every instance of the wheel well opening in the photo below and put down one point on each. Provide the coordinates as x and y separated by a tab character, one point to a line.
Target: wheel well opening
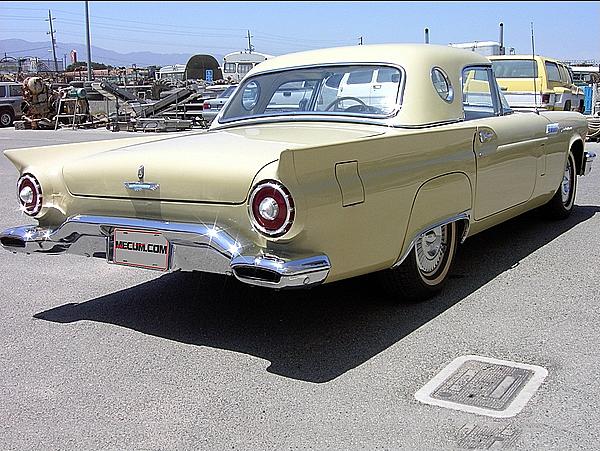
577	149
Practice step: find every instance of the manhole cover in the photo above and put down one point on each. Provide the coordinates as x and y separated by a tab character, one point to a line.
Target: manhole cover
497	388
487	436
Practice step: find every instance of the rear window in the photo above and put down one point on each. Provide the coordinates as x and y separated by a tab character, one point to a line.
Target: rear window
2	91
515	68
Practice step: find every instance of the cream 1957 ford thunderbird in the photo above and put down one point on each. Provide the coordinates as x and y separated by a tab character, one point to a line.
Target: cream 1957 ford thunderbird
323	165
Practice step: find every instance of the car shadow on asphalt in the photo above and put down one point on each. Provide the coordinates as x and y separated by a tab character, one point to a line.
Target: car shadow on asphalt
318	334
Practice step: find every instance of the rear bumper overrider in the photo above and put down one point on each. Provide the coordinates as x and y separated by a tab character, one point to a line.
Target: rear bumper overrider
588	161
193	247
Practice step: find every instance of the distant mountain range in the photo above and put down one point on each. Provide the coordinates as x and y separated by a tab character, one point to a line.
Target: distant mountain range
22	48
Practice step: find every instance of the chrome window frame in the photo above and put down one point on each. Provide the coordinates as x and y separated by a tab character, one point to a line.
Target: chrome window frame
494	89
352	118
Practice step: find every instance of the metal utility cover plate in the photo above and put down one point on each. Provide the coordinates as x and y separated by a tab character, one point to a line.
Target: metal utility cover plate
482	385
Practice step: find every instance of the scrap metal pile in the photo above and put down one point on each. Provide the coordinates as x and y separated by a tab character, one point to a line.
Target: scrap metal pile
47	108
164	105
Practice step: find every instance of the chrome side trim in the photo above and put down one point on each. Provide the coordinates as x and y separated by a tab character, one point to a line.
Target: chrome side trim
588	161
464	216
194	247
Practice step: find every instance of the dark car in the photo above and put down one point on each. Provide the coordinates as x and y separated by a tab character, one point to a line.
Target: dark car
11	100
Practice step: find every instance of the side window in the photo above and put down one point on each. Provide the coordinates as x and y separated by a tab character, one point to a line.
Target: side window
360	76
15	91
569	75
244	68
229	68
2	91
552	71
478	93
564	77
387	76
334	80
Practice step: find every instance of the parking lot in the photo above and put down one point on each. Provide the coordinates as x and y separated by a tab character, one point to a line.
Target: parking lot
100	356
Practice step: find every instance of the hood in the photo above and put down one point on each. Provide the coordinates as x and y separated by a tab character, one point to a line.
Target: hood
217	166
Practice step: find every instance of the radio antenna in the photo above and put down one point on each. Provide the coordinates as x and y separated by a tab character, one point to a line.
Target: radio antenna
534	71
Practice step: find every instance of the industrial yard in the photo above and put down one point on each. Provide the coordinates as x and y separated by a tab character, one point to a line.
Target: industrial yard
241	331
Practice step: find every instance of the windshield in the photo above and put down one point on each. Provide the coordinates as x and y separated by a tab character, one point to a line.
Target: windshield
367	91
515	68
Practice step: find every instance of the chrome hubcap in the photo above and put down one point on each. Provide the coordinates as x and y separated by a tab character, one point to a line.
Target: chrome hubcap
431	248
5	119
566	183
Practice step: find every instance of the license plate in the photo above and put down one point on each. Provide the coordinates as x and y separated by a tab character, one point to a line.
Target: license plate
140	248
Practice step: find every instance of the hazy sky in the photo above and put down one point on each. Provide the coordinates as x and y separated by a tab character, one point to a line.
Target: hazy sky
565	30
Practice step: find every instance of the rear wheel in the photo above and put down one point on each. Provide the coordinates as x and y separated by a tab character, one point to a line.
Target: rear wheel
561	205
425	270
6	118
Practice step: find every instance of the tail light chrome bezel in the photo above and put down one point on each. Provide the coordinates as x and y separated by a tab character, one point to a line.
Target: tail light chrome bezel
33	207
277	191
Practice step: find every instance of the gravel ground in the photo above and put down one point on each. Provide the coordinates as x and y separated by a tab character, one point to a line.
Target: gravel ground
98	356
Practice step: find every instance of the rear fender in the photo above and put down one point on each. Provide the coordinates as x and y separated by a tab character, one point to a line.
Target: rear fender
439	201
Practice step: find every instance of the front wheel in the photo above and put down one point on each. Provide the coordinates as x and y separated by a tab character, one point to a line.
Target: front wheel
561	205
425	270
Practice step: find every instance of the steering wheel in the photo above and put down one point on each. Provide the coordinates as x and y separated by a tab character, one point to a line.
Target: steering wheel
340	99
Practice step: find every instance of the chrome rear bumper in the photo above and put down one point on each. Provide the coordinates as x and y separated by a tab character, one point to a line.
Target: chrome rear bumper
193	247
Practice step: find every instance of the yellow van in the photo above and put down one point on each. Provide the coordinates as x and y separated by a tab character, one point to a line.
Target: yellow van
553	83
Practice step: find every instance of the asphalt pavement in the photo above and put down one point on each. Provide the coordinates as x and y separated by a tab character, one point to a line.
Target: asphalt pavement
98	356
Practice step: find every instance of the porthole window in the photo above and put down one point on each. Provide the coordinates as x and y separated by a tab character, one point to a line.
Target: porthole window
442	85
250	95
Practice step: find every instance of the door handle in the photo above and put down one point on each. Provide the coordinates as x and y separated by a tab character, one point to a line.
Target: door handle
486	136
376	86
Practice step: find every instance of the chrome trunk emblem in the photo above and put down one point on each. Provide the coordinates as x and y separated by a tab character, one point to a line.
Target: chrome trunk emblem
140	185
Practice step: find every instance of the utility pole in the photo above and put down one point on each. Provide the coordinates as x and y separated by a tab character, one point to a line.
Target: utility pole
89	46
52	40
360	40
250	46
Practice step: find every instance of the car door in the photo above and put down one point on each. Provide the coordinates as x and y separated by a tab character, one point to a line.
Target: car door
509	147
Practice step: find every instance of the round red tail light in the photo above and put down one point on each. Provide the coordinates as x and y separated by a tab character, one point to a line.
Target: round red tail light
29	194
271	208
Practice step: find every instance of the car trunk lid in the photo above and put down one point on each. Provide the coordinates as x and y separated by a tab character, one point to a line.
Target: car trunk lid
216	166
